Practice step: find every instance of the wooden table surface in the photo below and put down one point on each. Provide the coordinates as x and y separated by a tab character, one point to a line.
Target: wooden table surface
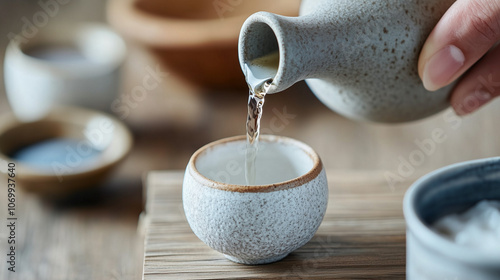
362	235
94	235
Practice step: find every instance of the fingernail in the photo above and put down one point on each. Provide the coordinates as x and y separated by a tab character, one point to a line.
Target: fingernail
442	66
472	102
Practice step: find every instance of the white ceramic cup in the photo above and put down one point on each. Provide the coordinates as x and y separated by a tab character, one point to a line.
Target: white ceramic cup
35	83
452	189
262	223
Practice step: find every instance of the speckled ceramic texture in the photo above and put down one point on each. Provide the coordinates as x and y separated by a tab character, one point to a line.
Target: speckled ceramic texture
256	225
359	57
452	189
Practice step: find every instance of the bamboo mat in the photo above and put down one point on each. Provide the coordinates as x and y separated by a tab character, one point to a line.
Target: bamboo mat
362	235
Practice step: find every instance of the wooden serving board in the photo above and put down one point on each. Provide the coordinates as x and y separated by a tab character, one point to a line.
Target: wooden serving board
362	235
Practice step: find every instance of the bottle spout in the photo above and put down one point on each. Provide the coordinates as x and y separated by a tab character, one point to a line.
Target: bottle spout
276	50
260	38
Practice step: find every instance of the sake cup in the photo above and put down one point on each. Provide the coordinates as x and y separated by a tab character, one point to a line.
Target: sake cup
68	65
449	190
261	223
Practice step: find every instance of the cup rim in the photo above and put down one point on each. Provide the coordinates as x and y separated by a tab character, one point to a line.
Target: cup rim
17	49
310	175
433	240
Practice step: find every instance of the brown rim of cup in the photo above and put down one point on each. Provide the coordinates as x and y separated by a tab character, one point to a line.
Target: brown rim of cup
292	183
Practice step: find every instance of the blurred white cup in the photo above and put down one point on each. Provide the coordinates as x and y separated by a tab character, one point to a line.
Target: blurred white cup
63	65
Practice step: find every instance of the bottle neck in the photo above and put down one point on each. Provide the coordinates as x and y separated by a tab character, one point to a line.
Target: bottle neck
302	49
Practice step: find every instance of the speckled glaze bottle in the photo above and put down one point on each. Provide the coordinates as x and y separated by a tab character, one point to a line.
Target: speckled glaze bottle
358	57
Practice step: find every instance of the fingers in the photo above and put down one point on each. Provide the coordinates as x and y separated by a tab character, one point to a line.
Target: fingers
463	35
479	85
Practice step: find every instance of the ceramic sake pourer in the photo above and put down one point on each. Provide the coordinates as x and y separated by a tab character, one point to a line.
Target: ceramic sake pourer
359	58
260	223
449	190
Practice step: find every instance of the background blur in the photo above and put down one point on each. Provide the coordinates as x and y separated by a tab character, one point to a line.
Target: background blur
98	229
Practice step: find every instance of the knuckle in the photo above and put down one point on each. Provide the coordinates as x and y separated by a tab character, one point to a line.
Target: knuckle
485	21
486	28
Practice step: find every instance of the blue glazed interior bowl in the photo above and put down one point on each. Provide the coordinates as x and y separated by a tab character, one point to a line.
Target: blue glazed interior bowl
452	189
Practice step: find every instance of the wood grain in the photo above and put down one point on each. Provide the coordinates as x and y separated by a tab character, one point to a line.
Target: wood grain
362	235
89	236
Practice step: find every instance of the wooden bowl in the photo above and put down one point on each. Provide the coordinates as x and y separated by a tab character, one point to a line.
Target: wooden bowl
195	39
105	132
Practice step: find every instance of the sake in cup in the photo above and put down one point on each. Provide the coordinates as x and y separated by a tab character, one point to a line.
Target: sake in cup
262	223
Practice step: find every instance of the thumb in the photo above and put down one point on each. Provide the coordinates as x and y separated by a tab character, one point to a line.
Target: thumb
463	35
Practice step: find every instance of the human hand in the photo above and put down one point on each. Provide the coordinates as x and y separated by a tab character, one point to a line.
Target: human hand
461	38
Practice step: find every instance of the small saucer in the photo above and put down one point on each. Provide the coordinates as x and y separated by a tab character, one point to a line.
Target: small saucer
87	128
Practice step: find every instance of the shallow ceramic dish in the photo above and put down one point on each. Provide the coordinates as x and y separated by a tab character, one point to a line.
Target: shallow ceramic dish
452	189
110	136
195	39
